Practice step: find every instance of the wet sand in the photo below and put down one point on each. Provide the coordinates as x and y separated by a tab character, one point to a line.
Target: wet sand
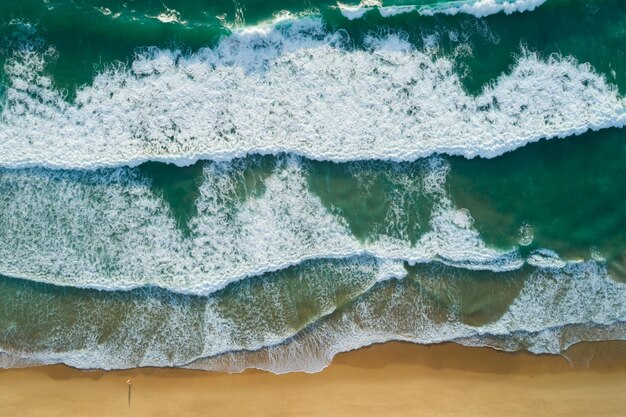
393	379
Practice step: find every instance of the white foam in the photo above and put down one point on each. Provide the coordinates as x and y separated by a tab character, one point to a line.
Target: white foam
579	293
554	310
351	12
452	241
168	16
545	258
482	8
526	234
293	88
389	11
108	230
478	8
596	255
150	329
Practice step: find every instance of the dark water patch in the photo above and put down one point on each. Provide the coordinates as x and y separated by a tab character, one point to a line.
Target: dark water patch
179	188
376	198
569	192
472	297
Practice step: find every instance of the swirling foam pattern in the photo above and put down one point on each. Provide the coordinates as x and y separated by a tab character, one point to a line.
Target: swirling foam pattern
294	88
109	230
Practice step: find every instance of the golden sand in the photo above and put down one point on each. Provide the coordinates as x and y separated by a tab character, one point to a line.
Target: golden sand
393	379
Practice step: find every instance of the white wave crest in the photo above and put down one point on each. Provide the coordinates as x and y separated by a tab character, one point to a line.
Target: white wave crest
482	8
292	88
554	310
110	230
478	8
158	330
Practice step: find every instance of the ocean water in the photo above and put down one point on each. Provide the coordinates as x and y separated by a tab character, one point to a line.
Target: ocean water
225	185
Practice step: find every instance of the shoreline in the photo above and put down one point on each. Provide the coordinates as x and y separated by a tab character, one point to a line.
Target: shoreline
390	379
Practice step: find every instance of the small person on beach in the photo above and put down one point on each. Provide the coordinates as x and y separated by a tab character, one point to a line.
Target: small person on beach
129	382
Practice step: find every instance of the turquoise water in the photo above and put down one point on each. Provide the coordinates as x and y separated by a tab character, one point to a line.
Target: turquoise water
223	185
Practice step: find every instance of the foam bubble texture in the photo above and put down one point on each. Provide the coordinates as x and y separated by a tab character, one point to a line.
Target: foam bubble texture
152	327
555	310
482	8
294	88
478	8
109	230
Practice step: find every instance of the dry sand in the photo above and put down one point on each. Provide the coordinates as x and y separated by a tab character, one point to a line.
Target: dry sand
393	379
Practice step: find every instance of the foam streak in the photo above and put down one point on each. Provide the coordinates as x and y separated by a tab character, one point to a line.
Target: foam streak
294	89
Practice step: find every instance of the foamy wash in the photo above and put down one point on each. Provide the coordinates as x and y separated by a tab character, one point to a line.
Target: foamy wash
229	186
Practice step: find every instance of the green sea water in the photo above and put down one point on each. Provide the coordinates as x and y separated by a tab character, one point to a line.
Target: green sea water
222	264
102	38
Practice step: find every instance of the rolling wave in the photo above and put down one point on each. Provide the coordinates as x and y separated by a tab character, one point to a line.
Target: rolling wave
554	310
264	323
296	89
478	8
110	230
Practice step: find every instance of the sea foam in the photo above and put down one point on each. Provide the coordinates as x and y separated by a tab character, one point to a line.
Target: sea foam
478	8
294	88
155	327
109	230
554	310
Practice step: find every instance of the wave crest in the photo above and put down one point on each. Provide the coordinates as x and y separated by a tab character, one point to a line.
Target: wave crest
478	8
109	230
293	88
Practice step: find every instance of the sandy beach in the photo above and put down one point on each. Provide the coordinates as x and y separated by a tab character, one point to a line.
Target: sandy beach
393	379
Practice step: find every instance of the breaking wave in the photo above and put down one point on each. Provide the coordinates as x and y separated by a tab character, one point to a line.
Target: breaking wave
478	8
339	306
296	89
111	230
